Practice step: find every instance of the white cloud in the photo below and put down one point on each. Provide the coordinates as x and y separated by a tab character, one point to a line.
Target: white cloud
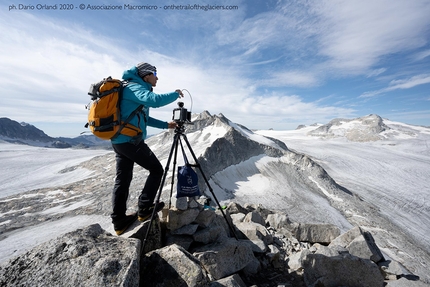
291	78
409	83
376	72
354	35
422	55
325	39
400	85
47	68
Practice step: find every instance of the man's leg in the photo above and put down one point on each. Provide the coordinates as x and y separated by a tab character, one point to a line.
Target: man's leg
143	156
147	159
124	175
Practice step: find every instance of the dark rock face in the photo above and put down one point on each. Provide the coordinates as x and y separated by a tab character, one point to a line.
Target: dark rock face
14	130
23	133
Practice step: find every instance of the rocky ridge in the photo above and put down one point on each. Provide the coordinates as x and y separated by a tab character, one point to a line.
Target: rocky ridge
191	245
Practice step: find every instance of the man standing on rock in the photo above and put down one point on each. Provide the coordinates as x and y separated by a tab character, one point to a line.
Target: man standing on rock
129	150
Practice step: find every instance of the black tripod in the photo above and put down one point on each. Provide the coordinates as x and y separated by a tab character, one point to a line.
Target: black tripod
179	132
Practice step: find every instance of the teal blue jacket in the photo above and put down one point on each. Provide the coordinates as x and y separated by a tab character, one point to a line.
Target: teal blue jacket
138	92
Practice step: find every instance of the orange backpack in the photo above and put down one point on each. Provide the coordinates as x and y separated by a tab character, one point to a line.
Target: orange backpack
104	116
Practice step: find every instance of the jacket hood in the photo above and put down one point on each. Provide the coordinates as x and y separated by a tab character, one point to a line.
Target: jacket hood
133	76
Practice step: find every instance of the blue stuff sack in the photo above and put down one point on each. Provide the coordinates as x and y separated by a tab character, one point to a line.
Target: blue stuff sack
188	184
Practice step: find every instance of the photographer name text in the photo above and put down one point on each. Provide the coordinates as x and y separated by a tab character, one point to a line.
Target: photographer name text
69	7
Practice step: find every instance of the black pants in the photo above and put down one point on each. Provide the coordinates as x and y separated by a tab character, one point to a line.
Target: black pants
126	155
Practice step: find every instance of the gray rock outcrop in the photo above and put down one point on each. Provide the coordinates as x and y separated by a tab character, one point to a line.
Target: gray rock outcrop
341	270
201	251
85	257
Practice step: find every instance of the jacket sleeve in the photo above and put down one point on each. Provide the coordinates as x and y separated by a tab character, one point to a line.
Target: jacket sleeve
157	123
153	100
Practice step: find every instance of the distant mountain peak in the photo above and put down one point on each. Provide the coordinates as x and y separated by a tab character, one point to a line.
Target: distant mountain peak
363	129
11	129
24	133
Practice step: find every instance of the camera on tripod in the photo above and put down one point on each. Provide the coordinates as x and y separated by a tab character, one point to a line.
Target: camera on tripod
181	115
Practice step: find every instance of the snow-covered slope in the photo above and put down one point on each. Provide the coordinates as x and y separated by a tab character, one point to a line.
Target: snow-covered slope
389	172
24	168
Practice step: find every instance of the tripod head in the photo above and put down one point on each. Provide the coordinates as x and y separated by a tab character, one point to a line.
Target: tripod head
180	128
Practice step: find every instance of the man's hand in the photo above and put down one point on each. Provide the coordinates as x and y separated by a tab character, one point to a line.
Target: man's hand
181	95
172	125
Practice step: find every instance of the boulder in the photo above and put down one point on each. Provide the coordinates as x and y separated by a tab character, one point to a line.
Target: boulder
237	217
221	220
253	267
257	245
178	218
180	203
234	208
295	260
205	218
231	281
254	231
278	221
341	270
84	257
254	216
224	259
189	229
172	266
316	233
210	234
359	243
138	230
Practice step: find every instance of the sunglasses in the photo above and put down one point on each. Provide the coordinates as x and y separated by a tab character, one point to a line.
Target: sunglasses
155	73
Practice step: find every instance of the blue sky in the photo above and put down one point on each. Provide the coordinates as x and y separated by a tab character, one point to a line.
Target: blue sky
263	64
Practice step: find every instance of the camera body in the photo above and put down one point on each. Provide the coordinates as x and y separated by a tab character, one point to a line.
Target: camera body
181	115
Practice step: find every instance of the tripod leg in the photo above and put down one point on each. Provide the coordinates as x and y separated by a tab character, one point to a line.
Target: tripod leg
209	186
174	169
157	200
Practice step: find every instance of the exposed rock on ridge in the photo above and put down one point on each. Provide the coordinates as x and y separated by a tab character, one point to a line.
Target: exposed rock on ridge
268	253
85	257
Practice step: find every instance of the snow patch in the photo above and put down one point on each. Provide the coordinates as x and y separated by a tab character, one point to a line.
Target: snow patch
66	208
329	195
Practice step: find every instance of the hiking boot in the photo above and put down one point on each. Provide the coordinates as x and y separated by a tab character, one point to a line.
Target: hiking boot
145	213
121	225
